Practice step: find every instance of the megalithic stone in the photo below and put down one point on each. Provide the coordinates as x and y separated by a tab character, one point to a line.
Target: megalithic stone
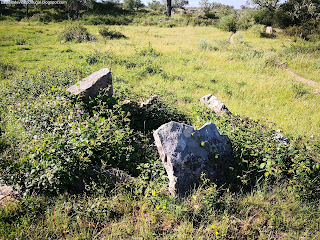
187	154
215	104
92	85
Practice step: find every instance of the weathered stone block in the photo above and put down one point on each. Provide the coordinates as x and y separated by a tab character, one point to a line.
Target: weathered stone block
187	153
215	104
91	86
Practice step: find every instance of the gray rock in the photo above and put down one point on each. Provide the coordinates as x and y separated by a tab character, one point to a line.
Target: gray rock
279	137
93	84
215	104
187	153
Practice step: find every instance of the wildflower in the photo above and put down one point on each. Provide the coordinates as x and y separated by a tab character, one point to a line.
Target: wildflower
213	226
153	193
217	233
164	207
157	207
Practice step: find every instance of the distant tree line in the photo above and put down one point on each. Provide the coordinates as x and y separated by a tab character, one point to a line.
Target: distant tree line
303	16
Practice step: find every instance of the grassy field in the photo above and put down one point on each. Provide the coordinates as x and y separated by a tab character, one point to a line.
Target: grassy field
244	76
273	194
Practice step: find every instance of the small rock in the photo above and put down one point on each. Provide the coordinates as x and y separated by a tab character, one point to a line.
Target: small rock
187	153
215	104
279	137
93	84
149	101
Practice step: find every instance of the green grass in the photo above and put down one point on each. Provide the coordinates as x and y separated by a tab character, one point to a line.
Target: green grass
273	194
264	213
241	78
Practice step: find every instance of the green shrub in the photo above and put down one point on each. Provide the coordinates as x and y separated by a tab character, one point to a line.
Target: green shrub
258	158
211	15
307	30
19	40
228	23
110	34
75	32
205	45
301	48
69	144
5	68
246	21
258	30
107	19
156	6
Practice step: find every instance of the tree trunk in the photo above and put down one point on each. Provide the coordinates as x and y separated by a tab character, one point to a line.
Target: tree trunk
169	8
27	11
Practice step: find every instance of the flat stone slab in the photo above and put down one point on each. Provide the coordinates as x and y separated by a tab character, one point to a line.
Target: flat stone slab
187	153
92	85
215	104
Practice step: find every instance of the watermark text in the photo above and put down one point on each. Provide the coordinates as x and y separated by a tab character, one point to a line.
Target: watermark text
33	2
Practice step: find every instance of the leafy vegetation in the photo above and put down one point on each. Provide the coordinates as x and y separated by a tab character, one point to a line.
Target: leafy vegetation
105	32
75	32
63	152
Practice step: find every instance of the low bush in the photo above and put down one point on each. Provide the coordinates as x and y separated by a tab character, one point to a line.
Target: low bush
259	158
20	40
107	19
302	47
69	144
306	31
246	21
110	34
5	68
75	32
205	45
258	30
228	23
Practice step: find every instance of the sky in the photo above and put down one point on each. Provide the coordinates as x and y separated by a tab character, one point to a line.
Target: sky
235	3
195	3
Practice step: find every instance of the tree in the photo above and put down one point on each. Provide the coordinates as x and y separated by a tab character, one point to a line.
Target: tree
228	23
132	4
304	10
156	6
206	6
297	12
268	4
180	3
266	10
169	8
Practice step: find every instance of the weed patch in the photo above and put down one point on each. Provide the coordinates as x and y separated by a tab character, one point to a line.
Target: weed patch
110	34
75	32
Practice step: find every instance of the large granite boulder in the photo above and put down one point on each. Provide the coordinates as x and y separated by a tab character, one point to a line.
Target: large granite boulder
187	153
215	104
91	86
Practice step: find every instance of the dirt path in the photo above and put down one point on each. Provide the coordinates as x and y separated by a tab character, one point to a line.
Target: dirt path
302	79
283	65
231	38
